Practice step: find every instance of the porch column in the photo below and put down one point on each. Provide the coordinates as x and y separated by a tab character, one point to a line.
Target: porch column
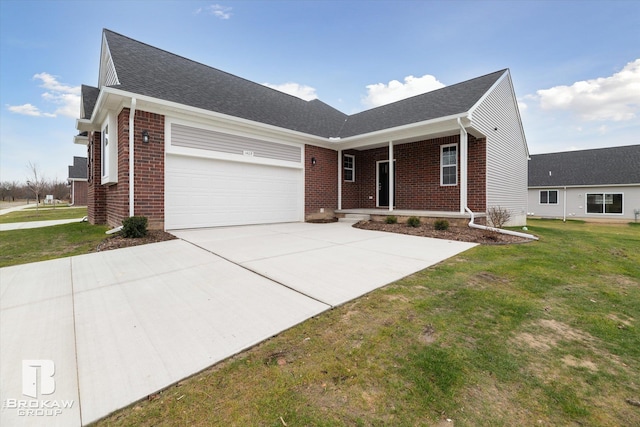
464	149
339	179
391	177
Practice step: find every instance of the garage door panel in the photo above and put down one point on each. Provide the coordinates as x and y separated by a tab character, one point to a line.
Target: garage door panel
210	192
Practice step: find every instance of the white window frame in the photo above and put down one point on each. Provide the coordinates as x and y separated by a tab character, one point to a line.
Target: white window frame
109	151
104	151
548	202
352	168
603	194
442	165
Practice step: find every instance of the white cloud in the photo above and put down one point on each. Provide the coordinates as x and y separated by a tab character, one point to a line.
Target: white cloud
51	83
614	98
381	94
301	91
28	110
66	97
216	10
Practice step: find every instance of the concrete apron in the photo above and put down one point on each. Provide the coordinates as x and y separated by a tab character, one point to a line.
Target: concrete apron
123	324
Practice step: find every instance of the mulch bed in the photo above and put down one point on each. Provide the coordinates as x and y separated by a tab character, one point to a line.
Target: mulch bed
461	234
117	241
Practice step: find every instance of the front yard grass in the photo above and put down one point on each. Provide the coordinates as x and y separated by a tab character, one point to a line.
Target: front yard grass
40	244
43	214
543	333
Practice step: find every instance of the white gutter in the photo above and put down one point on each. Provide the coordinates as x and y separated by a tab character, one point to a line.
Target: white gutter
498	230
464	149
132	113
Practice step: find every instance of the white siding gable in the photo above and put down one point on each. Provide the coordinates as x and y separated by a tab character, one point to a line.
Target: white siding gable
497	117
108	75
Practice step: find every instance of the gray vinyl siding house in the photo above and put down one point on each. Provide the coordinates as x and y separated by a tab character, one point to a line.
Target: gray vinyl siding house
598	184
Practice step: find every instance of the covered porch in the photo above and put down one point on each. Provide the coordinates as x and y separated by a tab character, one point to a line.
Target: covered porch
431	171
426	217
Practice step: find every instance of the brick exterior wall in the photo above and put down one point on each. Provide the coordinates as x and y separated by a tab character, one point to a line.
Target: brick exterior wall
109	204
418	177
149	168
321	182
96	200
79	193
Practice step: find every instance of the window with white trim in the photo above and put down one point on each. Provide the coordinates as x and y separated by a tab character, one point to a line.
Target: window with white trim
349	165
548	197
449	164
104	154
604	203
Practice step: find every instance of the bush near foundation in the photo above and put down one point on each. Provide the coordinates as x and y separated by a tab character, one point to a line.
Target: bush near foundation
413	221
134	227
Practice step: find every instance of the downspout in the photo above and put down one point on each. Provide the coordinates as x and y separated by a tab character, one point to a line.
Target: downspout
132	113
564	205
392	183
340	160
498	230
464	138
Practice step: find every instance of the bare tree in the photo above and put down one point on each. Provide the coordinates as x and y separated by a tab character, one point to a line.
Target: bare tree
35	182
498	216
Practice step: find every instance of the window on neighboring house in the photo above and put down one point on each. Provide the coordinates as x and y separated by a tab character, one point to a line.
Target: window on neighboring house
548	197
449	164
349	164
604	203
104	154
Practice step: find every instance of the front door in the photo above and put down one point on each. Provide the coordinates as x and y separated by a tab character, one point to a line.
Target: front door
383	184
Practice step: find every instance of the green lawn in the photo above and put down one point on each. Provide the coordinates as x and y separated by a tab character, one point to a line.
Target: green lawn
543	333
39	244
43	214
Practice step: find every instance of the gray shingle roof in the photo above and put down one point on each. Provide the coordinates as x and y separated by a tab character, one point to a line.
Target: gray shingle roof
602	166
89	98
447	101
146	70
79	168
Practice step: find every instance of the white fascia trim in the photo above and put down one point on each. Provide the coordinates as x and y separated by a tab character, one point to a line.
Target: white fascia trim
586	186
77	179
399	132
160	106
84	125
81	140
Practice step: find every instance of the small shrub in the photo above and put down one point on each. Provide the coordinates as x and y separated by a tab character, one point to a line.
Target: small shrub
391	219
134	227
441	224
413	221
498	216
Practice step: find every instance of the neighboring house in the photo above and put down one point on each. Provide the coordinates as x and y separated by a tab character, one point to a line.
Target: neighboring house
78	181
188	146
603	183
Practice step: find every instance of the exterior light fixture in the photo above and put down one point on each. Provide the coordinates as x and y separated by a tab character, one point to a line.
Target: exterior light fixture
313	161
145	136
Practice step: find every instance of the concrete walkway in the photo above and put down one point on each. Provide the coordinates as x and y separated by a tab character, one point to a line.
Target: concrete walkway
123	324
36	224
15	208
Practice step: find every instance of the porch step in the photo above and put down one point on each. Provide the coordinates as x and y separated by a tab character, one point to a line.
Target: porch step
353	218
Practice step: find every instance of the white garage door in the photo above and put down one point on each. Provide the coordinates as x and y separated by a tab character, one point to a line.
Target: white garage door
203	192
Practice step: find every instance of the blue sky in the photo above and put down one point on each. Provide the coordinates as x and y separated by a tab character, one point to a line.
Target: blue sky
575	64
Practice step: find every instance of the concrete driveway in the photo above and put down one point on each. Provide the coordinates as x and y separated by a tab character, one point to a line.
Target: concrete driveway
107	329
